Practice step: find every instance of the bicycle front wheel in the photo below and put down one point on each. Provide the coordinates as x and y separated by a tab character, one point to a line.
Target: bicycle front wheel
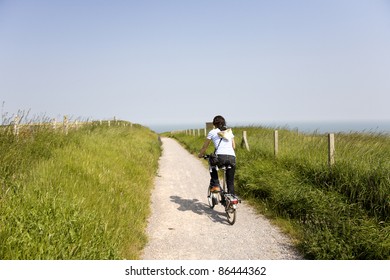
210	198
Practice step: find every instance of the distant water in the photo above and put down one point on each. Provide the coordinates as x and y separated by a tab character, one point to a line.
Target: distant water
307	127
159	128
342	126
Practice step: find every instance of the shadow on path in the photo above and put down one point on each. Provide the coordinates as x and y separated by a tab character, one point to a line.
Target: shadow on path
199	208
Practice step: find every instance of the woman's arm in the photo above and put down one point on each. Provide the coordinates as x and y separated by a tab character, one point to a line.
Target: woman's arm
204	148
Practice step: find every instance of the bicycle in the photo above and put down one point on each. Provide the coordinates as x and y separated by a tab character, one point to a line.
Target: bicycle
215	195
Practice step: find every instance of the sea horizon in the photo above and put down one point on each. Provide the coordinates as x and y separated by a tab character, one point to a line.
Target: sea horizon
301	126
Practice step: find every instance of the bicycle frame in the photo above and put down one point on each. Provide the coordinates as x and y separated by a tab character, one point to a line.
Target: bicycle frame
231	201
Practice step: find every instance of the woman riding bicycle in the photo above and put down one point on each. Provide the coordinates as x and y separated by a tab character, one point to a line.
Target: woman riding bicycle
223	140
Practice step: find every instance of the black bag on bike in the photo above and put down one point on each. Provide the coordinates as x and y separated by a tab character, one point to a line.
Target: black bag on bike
213	158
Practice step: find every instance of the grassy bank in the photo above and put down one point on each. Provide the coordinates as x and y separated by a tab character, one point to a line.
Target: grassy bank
336	213
84	195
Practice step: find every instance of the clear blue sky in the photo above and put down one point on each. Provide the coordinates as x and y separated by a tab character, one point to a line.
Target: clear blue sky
166	62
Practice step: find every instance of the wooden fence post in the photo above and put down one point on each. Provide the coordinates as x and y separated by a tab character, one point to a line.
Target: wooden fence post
276	143
16	126
65	125
54	124
244	141
331	149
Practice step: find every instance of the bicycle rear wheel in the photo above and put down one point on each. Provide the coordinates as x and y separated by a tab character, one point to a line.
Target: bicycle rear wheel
231	214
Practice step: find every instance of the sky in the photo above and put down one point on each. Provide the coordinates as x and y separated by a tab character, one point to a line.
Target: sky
183	62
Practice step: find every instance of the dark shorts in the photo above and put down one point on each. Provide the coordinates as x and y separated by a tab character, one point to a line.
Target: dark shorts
225	160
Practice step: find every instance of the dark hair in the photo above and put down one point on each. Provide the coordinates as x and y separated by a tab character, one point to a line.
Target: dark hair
219	122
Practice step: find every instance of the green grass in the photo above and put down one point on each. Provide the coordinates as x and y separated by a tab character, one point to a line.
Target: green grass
84	195
340	212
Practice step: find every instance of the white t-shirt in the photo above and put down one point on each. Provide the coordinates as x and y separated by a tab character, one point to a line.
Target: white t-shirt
226	146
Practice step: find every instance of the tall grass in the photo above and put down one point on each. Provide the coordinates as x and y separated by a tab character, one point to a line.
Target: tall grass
84	195
338	213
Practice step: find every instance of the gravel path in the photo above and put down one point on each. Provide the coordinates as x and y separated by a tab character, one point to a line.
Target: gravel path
183	227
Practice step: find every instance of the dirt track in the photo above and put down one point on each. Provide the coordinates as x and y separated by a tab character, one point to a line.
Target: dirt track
183	227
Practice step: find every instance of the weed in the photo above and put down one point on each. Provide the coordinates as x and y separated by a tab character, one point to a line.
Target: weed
84	195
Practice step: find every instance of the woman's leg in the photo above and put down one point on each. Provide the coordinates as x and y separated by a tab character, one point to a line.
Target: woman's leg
230	178
214	181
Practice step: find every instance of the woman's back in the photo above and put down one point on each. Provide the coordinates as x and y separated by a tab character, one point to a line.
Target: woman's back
226	144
